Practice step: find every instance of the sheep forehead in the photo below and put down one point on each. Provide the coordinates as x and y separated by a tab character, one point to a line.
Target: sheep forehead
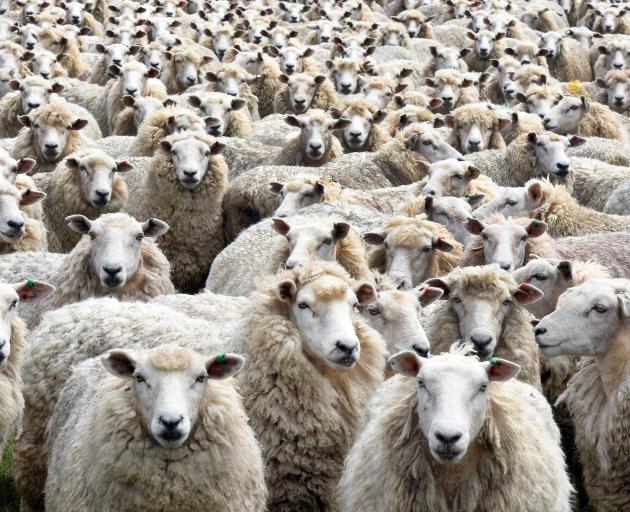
34	81
447	76
450	368
408	236
347	64
96	159
7	294
134	65
475	114
593	289
231	71
454	207
189	145
217	98
325	288
187	56
301	79
487	282
6	189
309	230
495	230
171	358
395	303
315	116
449	166
536	266
116	221
55	113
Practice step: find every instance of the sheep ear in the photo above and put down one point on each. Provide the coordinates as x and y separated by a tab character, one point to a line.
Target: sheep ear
600	82
123	166
33	291
474	199
440	244
526	294
340	230
153	72
78	124
624	304
237	103
308	52
379	116
341	124
374	238
128	101
471	35
72	163
534	192
283	78
15	85
79	223
532	137
29	197
293	121
217	148
428	204
280	226
500	370
114	70
319	79
435	103
276	187
436	282
24	121
450	121
565	269
119	363
286	290
211	77
586	105
536	228
224	366
474	226
154	227
412	141
438	122
406	363
57	87
576	141
504	122
423	167
365	293
24	165
521	98
472	172
428	295
134	49
166	146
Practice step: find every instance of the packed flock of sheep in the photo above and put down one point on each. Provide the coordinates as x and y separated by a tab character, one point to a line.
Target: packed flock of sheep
403	228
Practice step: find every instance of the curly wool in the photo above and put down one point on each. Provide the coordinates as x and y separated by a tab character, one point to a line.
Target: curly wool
600	121
417	113
11	399
218	468
516	342
71	60
522	124
280	383
571	62
195	216
169	77
65	197
390	467
406	230
377	137
566	217
267	86
479	114
595	181
293	153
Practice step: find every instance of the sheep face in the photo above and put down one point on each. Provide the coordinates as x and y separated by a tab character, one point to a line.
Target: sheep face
222	38
43	64
75	13
142	106
292	13
378	92
552	277
409	251
5	6
445	58
616	57
566	115
316	132
324	31
153	57
169	384
539	102
506	67
452	213
323	312
296	195
395	316
301	90
133	77
183	122
216	108
35	93
256	28
51	138
6	75
116	243
8	60
484	43
28	36
473	134
513	201
583	35
310	242
550	41
413	22
279	36
291	59
452	398
186	69
361	121
11	219
481	309
393	35
430	144
617	87
96	173
252	62
450	178
229	80
190	158
610	19
168	9
116	54
345	75
551	153
505	243
9	168
587	318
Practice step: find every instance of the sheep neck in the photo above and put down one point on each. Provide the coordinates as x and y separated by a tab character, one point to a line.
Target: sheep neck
614	364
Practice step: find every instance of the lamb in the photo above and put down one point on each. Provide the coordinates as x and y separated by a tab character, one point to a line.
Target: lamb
86	183
328	389
553	205
257	252
364	132
476	127
175	418
223	114
303	91
182	68
185	183
483	307
592	320
52	133
459	179
618	202
492	443
589	119
410	250
31	93
117	258
567	58
160	124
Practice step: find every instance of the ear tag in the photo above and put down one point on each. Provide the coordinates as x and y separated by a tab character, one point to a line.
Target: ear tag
219	358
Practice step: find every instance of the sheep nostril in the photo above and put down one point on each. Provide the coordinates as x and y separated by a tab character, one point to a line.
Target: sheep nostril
540	331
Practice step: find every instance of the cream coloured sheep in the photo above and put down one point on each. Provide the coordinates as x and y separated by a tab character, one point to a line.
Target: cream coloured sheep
113	54
135	112
446	450
618	202
176	417
223	114
453	89
459	179
46	64
476	127
303	91
182	69
234	80
616	86
22	226
592	320
567	58
57	41
185	183
364	132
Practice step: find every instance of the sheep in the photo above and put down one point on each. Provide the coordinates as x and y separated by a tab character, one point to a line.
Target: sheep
496	86
181	69
135	112
21	217
266	85
492	443
363	133
553	205
592	320
483	307
476	127
615	86
11	169
185	183
303	91
85	183
162	123
213	416
612	55
567	58
117	258
53	350
46	64
447	58
31	93
13	335
618	202
234	80
410	250
582	117
456	178
595	181
345	73
485	48
114	54
52	132
453	89
302	239
57	41
223	114
399	119
328	389
105	103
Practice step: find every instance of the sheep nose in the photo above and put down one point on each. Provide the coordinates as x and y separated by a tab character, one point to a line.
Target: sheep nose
299	101
474	143
356	135
290	265
429	191
51	146
118	62
30	46
131	92
402	284
231	93
618	66
190	173
33	105
44	75
345	347
191	79
481	340
563	169
315	146
505	266
155	65
324	39
289	67
420	351
257	39
171	422
619	99
539	331
447	99
102	194
16	225
75	19
448	438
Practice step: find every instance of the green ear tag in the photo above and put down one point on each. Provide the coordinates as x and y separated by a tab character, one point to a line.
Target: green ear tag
29	283
220	358
535	223
493	360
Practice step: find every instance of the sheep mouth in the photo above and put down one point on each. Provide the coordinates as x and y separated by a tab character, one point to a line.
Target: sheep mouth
100	202
51	155
189	183
112	282
315	155
215	131
550	127
12	236
447	454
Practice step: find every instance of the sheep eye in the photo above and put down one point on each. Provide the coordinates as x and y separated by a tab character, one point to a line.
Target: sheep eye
92	235
573	107
540	277
484	236
303	305
139	236
426	142
600	308
426	248
82	168
310	195
200	379
507	302
139	379
457	177
524	238
373	310
421	384
457	300
13	304
207	154
328	241
36	126
511	202
482	388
